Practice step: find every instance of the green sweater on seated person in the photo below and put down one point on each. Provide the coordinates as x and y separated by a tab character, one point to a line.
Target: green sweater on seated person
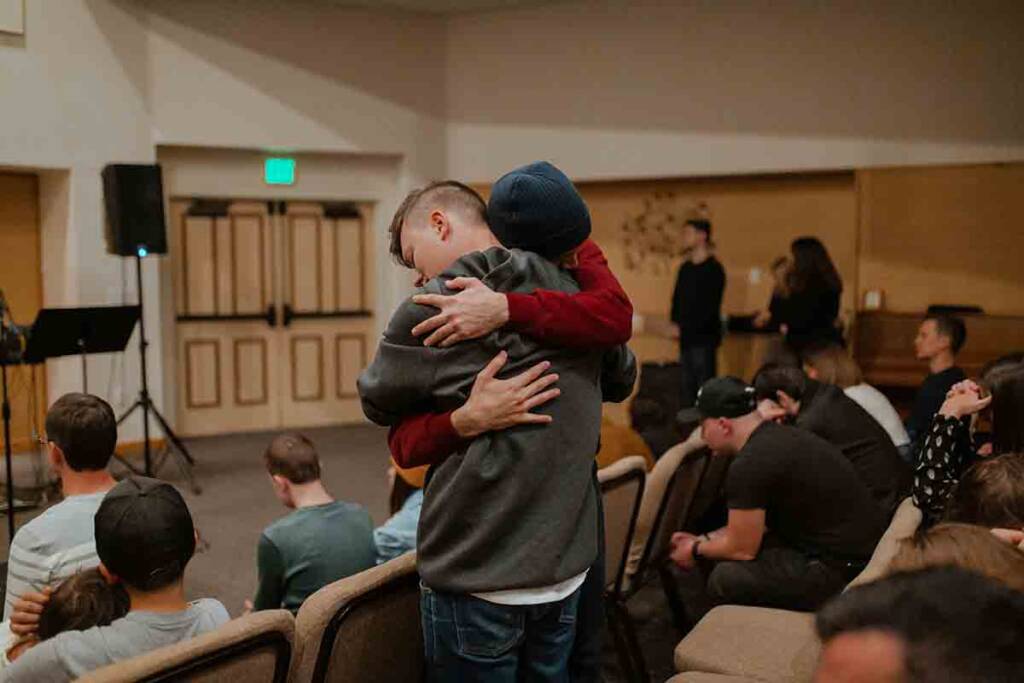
313	546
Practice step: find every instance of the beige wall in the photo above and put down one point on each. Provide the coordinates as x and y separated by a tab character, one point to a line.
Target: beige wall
609	89
95	81
74	99
951	235
645	88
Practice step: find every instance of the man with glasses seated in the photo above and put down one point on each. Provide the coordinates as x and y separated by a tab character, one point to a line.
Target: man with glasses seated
81	433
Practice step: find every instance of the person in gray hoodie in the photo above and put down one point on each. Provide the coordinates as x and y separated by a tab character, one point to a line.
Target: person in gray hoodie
509	523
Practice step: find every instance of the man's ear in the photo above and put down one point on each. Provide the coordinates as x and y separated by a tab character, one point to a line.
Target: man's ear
55	455
788	403
110	577
440	224
280	483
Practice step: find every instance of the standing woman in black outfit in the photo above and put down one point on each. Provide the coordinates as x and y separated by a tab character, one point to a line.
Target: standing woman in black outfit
808	314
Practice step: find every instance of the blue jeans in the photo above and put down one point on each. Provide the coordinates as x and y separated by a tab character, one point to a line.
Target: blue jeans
469	640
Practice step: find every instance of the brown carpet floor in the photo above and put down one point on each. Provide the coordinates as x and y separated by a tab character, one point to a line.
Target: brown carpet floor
236	503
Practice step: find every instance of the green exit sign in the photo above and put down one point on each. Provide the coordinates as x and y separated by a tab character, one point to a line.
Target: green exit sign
279	171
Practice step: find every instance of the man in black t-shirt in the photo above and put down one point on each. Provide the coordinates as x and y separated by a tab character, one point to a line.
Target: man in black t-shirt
939	339
801	523
787	394
696	308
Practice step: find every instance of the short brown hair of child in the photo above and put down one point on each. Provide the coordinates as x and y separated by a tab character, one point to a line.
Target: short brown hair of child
990	493
293	457
82	601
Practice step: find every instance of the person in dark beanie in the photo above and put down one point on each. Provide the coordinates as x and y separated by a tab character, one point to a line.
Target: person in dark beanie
502	485
145	539
598	316
697	308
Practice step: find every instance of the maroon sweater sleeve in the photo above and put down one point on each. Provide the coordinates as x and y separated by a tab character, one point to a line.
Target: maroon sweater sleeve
423	439
599	315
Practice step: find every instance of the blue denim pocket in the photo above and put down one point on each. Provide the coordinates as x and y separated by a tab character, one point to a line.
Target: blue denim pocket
570	606
485	629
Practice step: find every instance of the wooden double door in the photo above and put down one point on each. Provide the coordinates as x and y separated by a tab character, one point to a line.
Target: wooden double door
273	304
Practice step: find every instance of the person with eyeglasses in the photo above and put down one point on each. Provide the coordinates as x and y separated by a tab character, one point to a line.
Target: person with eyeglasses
81	433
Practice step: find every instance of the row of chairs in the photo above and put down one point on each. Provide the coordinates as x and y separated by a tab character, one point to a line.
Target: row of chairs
367	627
363	628
642	510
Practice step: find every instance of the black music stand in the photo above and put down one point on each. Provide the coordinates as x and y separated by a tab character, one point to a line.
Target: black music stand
61	332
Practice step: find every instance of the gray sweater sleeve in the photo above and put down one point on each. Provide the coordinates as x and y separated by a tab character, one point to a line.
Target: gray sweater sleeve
400	379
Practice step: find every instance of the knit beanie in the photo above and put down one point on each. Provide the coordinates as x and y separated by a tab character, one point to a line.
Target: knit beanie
536	208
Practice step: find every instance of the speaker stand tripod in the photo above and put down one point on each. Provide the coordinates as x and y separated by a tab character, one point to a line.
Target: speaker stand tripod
175	449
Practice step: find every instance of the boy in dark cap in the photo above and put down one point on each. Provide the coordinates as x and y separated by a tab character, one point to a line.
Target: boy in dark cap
144	538
509	523
824	523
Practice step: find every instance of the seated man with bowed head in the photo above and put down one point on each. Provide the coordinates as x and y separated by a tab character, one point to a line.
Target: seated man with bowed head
801	523
321	541
145	539
509	522
786	393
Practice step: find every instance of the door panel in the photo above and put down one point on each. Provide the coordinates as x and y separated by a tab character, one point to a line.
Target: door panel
226	347
199	277
249	285
330	330
304	262
350	255
273	328
350	360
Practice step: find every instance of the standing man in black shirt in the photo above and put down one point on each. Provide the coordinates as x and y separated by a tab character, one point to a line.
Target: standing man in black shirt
938	340
787	394
824	524
696	307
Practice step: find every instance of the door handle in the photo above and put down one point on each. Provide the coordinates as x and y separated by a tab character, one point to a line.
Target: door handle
271	316
288	315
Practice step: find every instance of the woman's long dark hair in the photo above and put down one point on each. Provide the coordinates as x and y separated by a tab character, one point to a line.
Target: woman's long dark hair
1007	387
812	268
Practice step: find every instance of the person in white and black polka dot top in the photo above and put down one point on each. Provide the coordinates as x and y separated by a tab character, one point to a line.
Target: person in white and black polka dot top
947	450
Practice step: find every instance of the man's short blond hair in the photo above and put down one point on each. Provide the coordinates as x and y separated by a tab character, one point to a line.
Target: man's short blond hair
450	194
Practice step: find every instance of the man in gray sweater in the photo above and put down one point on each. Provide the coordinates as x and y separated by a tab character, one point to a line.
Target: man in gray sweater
509	524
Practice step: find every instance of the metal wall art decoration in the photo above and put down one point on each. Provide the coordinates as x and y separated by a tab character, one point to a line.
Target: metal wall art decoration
653	238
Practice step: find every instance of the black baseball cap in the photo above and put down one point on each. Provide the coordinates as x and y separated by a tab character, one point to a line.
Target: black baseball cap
721	397
144	533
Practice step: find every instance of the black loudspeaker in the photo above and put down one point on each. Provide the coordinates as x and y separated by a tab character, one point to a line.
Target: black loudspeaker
134	197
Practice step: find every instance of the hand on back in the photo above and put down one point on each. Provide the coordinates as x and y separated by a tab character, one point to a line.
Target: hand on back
472	313
496	404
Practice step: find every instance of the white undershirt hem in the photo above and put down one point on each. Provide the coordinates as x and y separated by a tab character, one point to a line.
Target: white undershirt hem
535	596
